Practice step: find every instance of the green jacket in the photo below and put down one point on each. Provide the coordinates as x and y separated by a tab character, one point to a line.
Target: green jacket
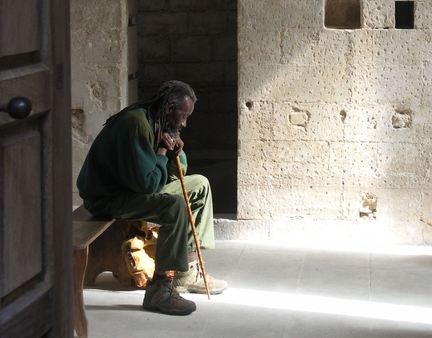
122	158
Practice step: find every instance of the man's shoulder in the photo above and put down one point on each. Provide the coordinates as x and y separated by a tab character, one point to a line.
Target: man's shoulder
138	124
137	119
138	115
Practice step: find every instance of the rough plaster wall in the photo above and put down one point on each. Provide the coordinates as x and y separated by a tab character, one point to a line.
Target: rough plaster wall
99	63
334	124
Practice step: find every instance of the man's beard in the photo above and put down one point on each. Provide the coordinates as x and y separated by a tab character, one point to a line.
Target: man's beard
172	130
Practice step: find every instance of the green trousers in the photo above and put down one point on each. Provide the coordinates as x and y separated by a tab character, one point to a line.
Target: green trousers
168	209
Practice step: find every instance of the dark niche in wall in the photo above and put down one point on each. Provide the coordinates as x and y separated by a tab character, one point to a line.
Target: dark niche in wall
404	14
342	14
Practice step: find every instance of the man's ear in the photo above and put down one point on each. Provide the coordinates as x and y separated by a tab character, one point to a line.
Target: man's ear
170	108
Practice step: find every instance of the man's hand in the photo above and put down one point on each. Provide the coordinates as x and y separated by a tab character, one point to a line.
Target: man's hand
178	146
169	143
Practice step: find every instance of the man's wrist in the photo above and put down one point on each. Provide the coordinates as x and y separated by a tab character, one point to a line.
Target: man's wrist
161	151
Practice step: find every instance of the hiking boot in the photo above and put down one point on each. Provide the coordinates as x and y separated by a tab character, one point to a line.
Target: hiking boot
161	296
193	281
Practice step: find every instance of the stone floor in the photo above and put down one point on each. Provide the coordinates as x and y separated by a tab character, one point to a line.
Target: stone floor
285	291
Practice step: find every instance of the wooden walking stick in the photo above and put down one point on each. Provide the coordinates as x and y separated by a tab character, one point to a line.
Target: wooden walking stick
192	223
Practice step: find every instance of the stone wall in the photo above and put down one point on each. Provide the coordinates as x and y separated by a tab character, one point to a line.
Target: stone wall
334	122
115	44
195	41
333	107
104	67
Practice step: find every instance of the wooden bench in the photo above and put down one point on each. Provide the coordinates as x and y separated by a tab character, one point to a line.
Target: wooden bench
104	241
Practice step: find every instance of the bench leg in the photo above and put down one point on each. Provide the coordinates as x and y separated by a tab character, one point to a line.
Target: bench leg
80	258
105	255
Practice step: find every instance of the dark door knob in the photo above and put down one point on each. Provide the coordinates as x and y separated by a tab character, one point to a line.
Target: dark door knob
18	107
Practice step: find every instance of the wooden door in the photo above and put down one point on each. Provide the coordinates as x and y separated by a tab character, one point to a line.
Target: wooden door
35	171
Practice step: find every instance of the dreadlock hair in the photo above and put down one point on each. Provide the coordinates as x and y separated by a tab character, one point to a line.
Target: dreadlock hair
171	92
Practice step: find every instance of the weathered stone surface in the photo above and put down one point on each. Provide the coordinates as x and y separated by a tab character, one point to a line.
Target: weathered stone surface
378	14
100	68
334	124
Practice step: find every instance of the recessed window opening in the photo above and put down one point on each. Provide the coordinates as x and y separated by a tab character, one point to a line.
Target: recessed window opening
342	14
404	14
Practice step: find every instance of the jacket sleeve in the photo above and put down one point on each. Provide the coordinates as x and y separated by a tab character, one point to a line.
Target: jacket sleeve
142	170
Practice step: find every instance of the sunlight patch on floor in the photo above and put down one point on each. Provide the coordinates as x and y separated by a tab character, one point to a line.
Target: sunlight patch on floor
354	247
322	304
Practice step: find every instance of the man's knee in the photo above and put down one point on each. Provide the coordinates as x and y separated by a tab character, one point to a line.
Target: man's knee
198	183
173	210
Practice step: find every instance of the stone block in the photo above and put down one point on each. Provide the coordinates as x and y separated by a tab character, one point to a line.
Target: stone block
264	174
151	74
208	23
379	123
296	157
232	19
399	158
400	204
225	48
423	15
427	234
378	14
404	47
190	5
426	209
356	159
265	202
361	49
191	49
152	6
223	100
423	181
371	201
202	74
317	202
154	49
255	121
400	85
205	132
326	122
306	47
231	73
309	180
255	83
280	202
262	46
274	13
313	83
426	99
364	122
297	46
398	197
162	24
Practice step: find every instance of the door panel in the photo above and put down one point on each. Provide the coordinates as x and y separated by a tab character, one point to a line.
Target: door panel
22	18
32	81
35	171
20	320
21	171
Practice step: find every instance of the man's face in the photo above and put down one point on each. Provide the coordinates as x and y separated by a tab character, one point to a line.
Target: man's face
177	118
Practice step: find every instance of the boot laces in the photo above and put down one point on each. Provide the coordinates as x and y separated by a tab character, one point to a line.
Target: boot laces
170	288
